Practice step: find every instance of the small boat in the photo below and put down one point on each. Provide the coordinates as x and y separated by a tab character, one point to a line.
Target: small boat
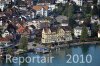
19	51
41	50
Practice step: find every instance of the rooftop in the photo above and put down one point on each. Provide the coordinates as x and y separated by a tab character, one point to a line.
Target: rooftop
40	7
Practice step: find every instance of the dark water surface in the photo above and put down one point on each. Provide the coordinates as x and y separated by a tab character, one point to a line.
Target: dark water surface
60	57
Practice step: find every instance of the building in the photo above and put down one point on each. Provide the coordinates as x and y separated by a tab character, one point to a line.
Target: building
29	3
5	33
78	31
52	35
98	2
64	23
2	6
61	18
78	2
39	24
20	29
99	34
79	21
6	1
50	6
1	23
95	19
21	5
81	2
61	1
40	10
4	43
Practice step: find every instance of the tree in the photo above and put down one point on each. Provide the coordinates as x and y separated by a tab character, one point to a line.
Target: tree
59	9
95	28
72	22
36	40
86	10
67	9
23	43
0	33
84	33
10	51
95	10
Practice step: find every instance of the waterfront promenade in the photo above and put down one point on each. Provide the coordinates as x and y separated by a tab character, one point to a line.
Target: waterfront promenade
76	44
30	46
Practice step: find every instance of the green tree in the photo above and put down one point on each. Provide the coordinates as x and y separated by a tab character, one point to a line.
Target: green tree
95	28
0	33
86	10
23	43
72	22
84	33
59	9
69	9
10	51
36	40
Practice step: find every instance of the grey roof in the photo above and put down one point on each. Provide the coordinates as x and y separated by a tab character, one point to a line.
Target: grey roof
80	28
61	18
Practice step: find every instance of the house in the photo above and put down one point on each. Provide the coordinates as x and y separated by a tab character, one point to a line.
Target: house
78	31
4	43
39	23
7	1
2	6
61	18
64	23
1	23
61	1
5	33
98	2
52	35
50	6
22	30
78	2
95	19
29	3
40	10
21	5
81	2
79	21
99	34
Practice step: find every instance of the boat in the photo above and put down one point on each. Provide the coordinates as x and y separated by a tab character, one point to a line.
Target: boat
41	50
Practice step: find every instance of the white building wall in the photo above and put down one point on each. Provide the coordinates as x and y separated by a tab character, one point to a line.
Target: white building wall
0	23
98	2
98	34
45	13
6	33
42	12
78	2
51	7
78	32
2	6
61	1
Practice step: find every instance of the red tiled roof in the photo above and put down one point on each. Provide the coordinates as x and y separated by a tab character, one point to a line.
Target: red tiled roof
23	29
4	39
20	30
40	7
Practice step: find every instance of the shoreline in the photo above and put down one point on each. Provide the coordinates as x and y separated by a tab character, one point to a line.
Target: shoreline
76	44
71	44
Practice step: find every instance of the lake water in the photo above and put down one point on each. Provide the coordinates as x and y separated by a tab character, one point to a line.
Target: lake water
89	54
